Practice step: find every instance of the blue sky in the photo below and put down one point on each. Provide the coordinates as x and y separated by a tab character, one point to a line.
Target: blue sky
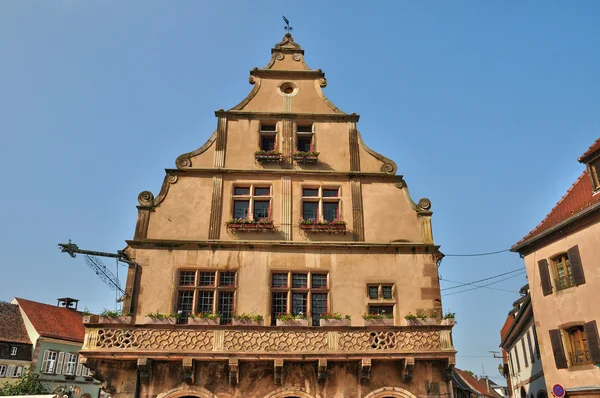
484	106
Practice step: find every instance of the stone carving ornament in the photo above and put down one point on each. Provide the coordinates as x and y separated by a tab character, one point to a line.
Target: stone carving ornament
275	341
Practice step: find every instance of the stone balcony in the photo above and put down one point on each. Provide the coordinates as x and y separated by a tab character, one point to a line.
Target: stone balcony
258	342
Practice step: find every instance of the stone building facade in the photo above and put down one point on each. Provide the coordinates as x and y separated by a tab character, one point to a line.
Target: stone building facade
286	214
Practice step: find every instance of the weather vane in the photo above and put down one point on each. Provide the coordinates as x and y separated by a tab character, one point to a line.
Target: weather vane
287	26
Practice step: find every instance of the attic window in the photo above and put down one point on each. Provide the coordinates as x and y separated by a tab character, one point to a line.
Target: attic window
595	173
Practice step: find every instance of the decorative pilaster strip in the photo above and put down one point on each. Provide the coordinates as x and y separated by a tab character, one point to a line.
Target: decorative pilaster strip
333	340
287	103
214	231
446	340
354	151
358	229
141	226
286	207
221	142
218	339
287	143
90	339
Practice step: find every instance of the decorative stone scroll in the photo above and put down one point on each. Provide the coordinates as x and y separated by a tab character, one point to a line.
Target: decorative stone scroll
268	340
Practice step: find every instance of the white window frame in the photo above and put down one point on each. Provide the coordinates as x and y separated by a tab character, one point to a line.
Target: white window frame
71	365
13	351
51	359
2	370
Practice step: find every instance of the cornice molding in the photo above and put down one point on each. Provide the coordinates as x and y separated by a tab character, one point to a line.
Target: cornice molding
210	244
397	179
301	74
318	117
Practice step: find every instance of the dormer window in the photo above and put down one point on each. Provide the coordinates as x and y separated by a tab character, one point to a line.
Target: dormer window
595	173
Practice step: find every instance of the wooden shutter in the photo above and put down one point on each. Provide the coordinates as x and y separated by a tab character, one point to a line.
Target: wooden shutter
19	371
78	371
9	371
557	348
545	277
576	268
524	352
45	361
59	363
66	364
517	359
593	341
530	346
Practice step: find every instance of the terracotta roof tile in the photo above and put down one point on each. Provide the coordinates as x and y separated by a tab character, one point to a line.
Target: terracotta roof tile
594	148
507	324
477	385
52	321
12	328
577	199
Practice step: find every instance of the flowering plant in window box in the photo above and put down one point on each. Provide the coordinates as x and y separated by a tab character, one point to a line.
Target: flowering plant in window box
292	319
380	319
247	319
334	319
265	223
449	318
328	226
420	319
241	223
306	157
108	316
204	318
161	319
263	156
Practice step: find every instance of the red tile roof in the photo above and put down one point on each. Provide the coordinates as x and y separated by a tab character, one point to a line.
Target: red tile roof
507	324
12	328
594	148
55	322
577	199
477	385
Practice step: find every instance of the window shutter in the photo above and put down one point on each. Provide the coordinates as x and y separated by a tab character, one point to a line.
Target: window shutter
557	348
59	363
517	359
78	372
545	277
9	371
524	352
45	361
591	331
19	371
65	367
576	268
530	346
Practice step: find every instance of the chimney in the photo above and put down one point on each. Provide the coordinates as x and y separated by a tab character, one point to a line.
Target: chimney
68	302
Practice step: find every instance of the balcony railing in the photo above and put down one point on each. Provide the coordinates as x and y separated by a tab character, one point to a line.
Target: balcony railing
563	282
223	340
582	357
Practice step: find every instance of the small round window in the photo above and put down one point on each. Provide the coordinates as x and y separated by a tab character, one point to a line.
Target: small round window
287	88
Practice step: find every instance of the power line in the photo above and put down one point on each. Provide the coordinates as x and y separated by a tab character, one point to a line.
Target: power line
486	287
476	254
480	280
491	283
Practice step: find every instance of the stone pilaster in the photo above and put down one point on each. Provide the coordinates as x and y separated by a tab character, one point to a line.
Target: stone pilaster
287	143
216	205
358	229
221	142
354	148
286	207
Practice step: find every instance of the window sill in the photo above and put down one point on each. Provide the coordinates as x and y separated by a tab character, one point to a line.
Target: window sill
577	368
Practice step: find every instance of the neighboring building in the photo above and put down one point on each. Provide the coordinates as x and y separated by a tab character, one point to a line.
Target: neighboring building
224	236
561	256
15	346
520	341
57	334
466	385
500	390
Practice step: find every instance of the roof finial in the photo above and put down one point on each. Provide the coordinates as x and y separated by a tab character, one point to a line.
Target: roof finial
287	26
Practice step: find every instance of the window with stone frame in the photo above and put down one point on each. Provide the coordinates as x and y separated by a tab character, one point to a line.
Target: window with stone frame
304	138
268	137
321	203
380	291
299	292
206	291
252	202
